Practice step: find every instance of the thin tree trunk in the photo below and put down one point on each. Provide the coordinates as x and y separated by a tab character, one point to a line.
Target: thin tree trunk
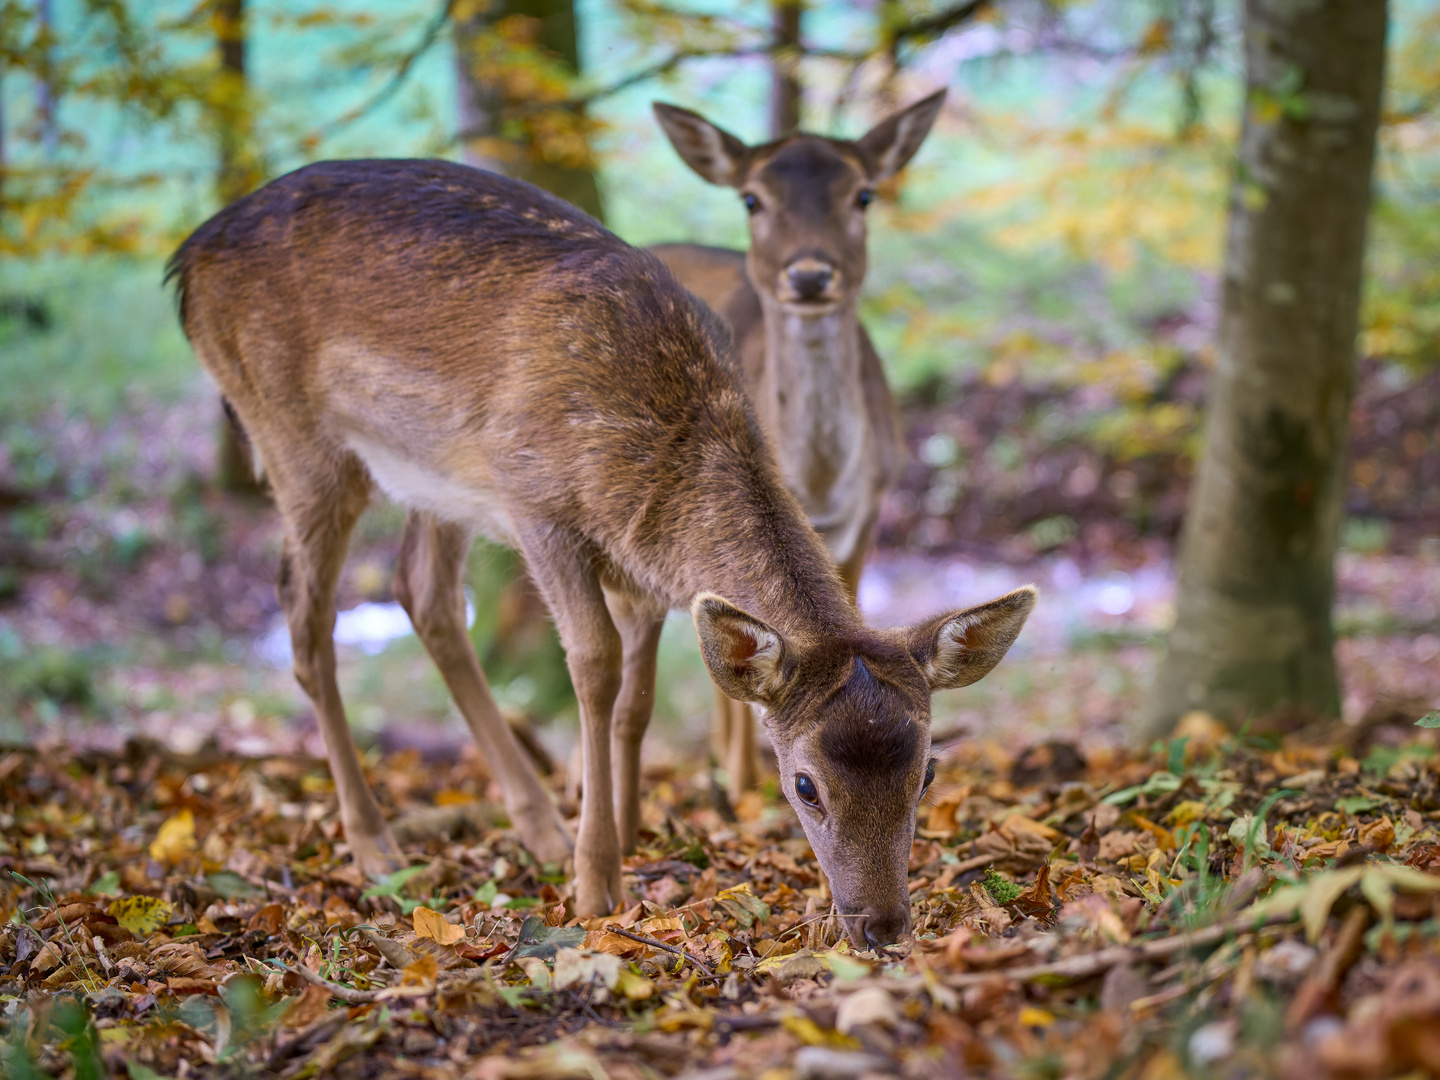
238	173
45	86
785	67
485	108
236	176
1253	635
2	142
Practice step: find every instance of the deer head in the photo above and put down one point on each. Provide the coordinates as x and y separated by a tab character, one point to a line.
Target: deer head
806	196
851	731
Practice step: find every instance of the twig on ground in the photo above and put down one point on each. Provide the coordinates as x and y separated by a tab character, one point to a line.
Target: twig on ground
656	944
1087	965
344	993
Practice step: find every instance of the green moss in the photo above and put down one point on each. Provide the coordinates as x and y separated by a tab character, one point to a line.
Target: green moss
1001	889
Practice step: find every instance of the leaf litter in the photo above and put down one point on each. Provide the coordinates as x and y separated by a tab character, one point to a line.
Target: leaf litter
1216	905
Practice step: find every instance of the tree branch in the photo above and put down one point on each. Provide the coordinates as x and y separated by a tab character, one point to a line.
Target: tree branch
398	78
940	22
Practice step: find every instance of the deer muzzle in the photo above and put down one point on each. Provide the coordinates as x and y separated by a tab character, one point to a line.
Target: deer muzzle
875	925
810	281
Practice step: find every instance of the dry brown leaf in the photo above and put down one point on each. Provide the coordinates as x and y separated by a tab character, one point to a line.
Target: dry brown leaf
310	1006
1378	835
47	959
180	958
1035	901
270	919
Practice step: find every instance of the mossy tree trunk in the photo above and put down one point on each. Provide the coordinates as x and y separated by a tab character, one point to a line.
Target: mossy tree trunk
1253	635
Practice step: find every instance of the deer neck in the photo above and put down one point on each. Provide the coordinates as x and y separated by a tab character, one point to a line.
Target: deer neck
811	404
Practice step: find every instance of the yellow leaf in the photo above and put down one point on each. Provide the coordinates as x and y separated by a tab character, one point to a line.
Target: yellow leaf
1313	898
176	838
432	925
1190	810
807	1031
1030	1016
141	915
634	987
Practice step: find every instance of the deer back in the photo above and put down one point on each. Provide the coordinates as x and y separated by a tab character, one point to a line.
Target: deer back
491	353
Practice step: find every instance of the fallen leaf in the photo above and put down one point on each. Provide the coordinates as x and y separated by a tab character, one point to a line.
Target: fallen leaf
420	973
580	967
868	1005
433	926
311	1005
141	915
176	838
1035	901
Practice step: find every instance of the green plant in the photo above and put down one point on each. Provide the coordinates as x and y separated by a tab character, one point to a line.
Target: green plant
1001	889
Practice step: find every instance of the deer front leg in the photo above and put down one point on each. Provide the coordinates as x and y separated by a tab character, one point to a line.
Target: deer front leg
429	585
563	568
639	630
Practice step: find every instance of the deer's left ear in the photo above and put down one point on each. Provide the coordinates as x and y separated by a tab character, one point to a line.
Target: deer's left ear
959	648
891	143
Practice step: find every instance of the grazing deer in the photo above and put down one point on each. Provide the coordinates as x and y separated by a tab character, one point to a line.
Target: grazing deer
819	391
496	361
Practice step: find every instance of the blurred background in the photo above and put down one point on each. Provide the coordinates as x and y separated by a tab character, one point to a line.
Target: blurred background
1043	287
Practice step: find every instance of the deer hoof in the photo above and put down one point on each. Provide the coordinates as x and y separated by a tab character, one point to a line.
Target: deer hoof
376	857
547	838
592	898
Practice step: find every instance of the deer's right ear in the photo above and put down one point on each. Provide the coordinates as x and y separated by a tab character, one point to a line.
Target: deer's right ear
959	648
745	657
712	152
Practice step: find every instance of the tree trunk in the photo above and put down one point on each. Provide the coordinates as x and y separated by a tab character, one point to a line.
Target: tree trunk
1253	636
494	127
237	174
785	67
45	104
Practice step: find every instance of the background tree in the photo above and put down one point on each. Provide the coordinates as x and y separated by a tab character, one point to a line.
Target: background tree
785	92
1253	631
518	61
237	175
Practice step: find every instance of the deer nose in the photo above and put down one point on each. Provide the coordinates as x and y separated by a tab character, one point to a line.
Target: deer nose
809	278
887	926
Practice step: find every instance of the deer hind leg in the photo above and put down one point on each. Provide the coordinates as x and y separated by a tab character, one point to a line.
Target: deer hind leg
854	566
562	565
318	521
639	629
429	584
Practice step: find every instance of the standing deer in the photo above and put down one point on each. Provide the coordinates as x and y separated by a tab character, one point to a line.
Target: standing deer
816	381
496	361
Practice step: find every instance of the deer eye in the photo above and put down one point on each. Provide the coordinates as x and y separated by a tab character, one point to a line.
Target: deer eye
806	789
752	202
929	774
865	198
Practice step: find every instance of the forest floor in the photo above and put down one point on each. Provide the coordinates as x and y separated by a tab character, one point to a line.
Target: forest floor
175	899
1215	908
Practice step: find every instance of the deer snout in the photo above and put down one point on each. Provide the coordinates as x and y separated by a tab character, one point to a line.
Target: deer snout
883	926
810	279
